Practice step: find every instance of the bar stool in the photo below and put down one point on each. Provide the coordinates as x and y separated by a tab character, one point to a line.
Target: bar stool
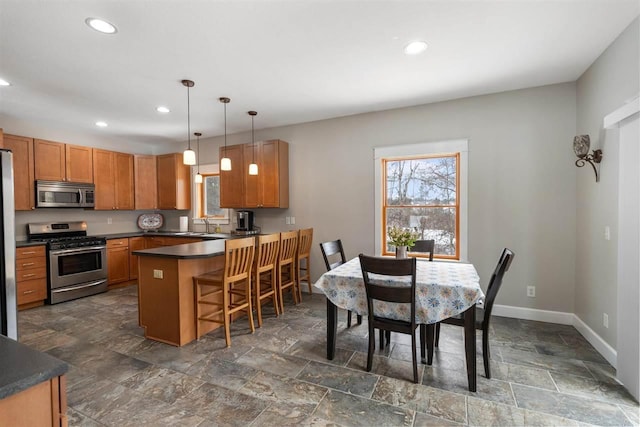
287	266
303	269
264	273
228	290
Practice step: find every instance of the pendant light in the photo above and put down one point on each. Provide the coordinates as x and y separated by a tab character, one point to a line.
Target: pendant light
253	167
225	162
189	156
198	178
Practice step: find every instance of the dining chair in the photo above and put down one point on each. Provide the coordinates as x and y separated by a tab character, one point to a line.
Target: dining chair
377	290
264	273
303	260
333	251
423	247
286	270
483	315
228	289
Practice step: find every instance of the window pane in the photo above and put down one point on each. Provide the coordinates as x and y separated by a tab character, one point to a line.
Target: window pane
438	224
428	181
211	187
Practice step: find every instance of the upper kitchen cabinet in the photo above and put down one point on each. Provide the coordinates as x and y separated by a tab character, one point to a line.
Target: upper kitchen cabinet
113	178
174	182
23	176
232	182
55	161
146	182
270	188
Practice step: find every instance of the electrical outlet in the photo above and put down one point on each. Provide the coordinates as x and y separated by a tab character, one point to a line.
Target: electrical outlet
605	320
109	221
293	220
158	274
287	220
531	291
607	233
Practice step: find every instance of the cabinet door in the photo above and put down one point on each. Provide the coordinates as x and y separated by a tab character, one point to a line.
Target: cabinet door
174	184
145	182
49	160
118	265
135	244
269	174
124	180
23	175
104	177
232	182
79	164
252	183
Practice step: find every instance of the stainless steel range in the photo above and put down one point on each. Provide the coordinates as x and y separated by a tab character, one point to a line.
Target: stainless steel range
77	263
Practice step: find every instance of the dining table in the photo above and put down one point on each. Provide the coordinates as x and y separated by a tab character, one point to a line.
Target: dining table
443	289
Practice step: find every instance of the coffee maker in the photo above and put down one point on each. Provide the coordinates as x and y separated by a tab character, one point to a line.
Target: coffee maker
245	221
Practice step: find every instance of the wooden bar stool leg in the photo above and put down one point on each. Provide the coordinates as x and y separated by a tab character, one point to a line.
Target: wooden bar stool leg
275	297
250	309
227	316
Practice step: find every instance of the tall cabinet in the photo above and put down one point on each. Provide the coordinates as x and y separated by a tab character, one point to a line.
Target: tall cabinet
146	181
174	182
268	189
113	177
23	175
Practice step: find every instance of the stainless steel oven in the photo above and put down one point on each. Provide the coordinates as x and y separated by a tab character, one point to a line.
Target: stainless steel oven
77	272
77	263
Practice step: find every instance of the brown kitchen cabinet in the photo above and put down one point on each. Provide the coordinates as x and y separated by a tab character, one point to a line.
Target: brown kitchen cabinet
270	188
135	244
146	181
56	161
117	261
31	276
160	241
23	173
113	178
174	182
44	404
232	182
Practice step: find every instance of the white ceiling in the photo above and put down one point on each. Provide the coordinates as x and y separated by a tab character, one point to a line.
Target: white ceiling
292	61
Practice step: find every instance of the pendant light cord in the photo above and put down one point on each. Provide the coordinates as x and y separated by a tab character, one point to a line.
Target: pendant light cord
253	141
225	129
188	118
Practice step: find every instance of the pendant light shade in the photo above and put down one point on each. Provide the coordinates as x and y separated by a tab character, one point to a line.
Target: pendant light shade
198	177
253	167
189	156
225	162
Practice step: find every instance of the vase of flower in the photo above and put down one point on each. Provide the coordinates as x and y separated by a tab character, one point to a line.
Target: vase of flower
402	239
401	252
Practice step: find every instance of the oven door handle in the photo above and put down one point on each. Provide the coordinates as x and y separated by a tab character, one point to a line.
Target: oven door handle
85	285
77	251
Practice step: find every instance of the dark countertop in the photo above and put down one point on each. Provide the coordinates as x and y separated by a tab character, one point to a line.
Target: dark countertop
140	233
23	243
24	367
204	249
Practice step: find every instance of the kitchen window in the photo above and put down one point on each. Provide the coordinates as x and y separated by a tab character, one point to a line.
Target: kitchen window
423	187
207	197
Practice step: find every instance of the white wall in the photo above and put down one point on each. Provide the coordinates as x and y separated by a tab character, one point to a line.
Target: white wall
611	80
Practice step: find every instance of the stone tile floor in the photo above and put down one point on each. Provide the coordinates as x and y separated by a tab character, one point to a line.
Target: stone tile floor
543	374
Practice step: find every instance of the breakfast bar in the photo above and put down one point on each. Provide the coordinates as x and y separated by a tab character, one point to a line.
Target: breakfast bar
165	288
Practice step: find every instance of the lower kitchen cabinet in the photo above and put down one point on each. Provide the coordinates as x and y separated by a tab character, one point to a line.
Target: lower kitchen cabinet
135	244
31	276
117	261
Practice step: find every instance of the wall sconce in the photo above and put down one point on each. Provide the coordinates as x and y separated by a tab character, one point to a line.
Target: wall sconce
581	145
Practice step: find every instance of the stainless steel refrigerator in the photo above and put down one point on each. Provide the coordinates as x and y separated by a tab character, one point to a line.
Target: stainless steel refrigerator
8	307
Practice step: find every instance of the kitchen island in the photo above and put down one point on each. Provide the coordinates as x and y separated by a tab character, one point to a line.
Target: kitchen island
166	306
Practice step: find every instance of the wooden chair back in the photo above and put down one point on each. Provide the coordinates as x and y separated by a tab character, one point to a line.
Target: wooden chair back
238	258
389	267
496	281
424	246
305	237
330	251
267	252
288	247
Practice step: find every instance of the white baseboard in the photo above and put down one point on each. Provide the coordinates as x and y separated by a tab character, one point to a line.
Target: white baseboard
561	318
533	314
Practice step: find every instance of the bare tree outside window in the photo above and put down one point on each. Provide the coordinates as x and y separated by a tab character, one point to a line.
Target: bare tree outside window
422	194
209	198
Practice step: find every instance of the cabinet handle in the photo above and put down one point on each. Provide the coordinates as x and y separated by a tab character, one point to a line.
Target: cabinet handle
27	264
28	292
29	253
29	275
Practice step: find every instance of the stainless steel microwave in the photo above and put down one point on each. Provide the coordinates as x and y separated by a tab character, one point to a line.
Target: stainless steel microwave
56	194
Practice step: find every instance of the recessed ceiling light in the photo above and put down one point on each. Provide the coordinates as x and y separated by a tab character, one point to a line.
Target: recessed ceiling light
3	82
162	109
101	25
415	48
102	124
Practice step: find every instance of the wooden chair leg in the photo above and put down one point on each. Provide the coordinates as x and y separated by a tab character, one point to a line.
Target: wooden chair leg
413	357
381	332
257	300
250	309
485	352
348	318
372	339
437	339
